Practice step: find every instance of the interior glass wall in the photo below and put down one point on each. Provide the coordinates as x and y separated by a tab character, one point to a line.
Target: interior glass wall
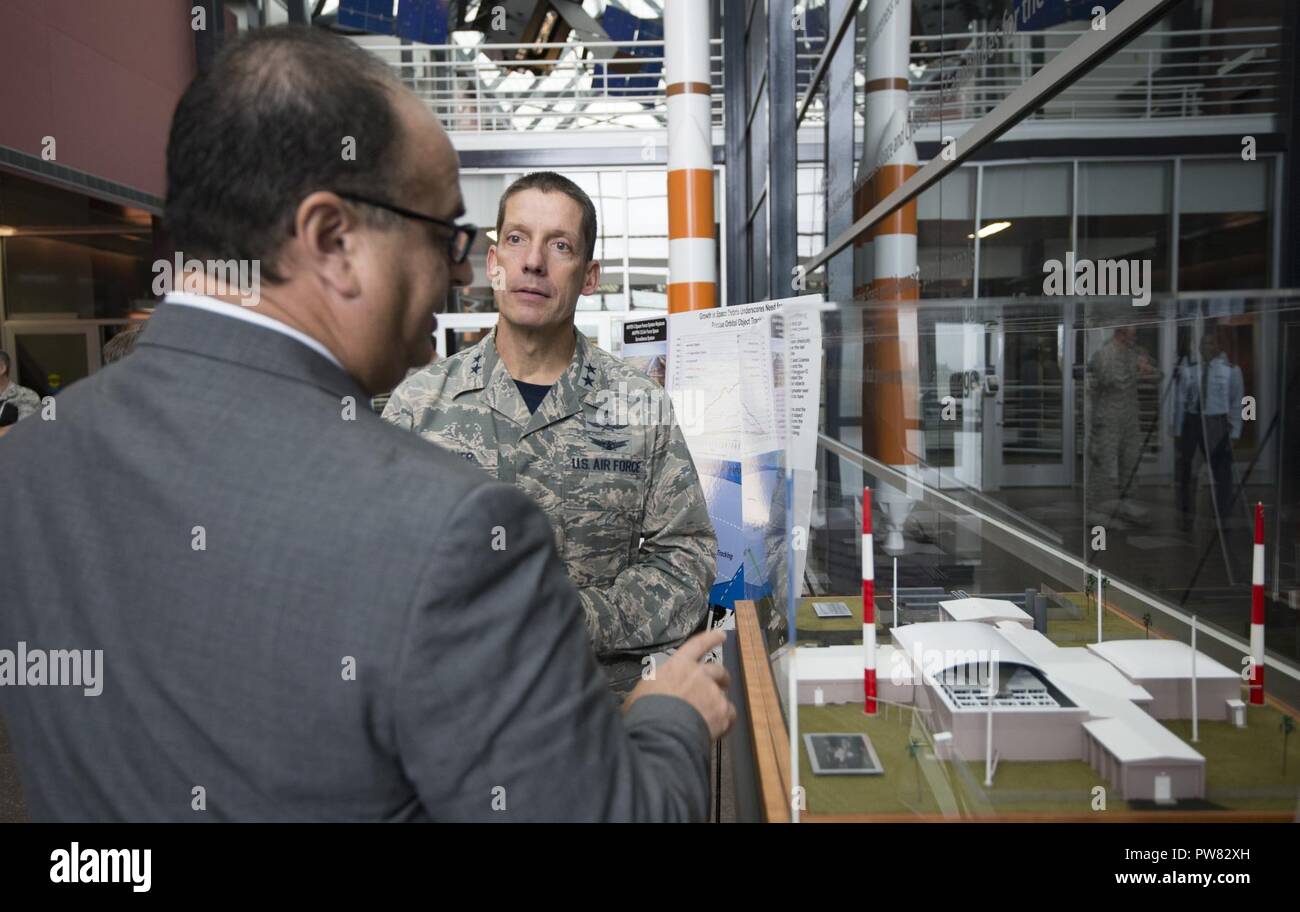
73	270
1072	346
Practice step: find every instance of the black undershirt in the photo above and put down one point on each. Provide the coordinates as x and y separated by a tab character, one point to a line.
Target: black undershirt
533	394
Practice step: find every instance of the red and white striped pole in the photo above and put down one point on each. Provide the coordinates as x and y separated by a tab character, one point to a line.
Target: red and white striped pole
1257	613
868	609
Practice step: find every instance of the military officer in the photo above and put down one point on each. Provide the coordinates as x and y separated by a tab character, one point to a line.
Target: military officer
16	402
593	441
1114	433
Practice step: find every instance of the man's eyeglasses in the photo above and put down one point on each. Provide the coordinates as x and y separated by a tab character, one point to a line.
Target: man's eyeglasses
462	236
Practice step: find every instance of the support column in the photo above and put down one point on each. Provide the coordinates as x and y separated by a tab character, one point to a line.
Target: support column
692	247
886	263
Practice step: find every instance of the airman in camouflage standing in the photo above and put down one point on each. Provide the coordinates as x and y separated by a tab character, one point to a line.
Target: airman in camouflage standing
594	442
18	398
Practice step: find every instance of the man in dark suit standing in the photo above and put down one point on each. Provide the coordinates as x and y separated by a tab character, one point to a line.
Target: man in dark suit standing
248	596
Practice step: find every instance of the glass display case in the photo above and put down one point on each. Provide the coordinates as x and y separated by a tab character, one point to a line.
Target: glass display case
1081	539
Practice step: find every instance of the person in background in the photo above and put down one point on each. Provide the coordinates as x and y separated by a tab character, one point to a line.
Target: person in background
121	345
1205	419
16	402
1114	429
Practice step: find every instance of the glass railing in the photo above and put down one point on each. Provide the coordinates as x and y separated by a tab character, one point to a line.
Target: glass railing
1087	472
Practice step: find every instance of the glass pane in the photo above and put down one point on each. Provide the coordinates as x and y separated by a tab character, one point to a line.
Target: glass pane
1032	389
1223	229
49	362
810	208
1024	222
945	236
1184	428
1125	213
69	255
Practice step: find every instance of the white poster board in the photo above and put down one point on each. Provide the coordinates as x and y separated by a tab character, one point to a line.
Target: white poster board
747	402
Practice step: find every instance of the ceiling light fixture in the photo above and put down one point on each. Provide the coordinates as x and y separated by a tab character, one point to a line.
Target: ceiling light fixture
990	229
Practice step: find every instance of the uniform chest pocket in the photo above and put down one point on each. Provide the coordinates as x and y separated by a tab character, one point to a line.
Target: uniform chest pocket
601	513
485	459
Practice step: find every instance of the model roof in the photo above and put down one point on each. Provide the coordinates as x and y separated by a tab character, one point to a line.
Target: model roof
953	642
985	609
1069	665
1159	659
1141	741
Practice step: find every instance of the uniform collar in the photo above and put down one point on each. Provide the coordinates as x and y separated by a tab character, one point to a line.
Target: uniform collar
484	370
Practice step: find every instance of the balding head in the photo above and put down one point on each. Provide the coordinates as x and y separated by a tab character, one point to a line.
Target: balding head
292	153
283	112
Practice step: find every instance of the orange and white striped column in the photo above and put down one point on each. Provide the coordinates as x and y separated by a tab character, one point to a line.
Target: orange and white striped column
868	609
886	262
1257	612
692	245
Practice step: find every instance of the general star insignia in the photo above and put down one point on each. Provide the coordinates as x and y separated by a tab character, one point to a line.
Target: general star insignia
590	378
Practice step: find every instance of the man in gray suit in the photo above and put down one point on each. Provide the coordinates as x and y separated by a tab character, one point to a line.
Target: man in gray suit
233	592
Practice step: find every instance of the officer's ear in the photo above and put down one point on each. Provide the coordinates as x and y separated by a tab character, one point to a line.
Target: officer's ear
591	280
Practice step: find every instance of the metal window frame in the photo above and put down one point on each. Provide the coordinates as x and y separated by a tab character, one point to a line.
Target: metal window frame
782	152
838	158
736	178
847	15
1124	23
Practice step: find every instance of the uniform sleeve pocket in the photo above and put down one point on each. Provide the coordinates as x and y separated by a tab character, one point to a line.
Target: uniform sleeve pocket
601	511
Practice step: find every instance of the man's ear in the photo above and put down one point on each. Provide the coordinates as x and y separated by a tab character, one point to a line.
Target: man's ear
495	271
327	242
592	279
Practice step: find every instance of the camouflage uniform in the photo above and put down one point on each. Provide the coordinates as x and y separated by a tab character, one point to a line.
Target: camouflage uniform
25	400
621	492
1114	433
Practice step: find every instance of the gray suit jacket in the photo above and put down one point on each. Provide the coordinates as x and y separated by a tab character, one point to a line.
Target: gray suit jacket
326	545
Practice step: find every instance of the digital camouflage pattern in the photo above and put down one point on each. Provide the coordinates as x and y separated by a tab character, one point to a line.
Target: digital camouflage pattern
617	483
1114	433
23	399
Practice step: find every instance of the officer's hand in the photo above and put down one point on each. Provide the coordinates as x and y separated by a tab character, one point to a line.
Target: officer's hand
701	684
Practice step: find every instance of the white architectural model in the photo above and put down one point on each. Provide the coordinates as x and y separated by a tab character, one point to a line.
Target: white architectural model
1100	704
